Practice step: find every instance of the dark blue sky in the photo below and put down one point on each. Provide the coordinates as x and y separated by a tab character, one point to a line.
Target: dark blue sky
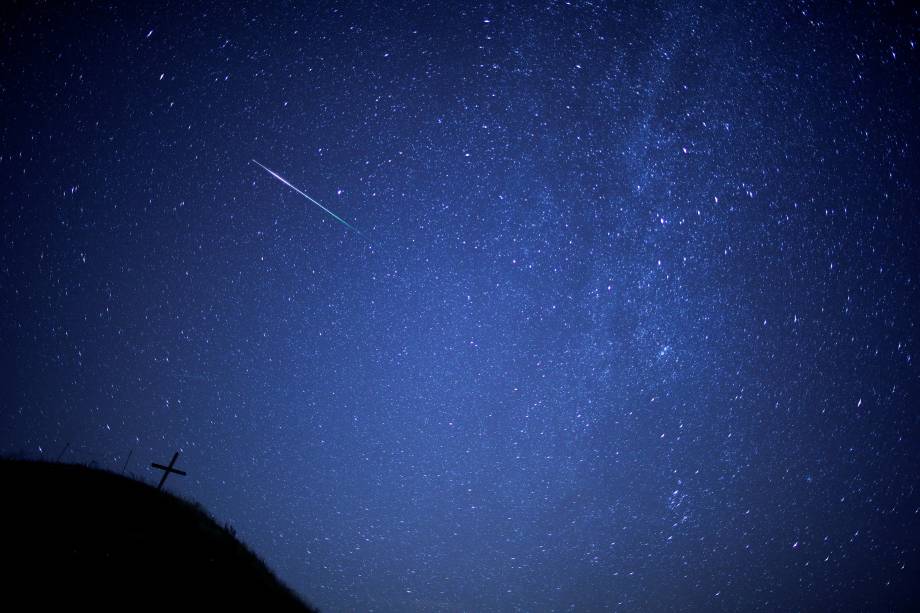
634	326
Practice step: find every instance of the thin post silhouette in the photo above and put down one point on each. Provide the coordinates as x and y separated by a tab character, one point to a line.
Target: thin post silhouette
63	451
125	467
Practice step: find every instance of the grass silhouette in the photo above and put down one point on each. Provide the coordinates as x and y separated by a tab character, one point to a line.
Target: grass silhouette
80	537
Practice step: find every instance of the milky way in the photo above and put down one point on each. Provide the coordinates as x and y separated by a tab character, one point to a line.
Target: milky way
635	333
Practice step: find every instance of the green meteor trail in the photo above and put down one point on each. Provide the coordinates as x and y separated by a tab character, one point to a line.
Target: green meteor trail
286	182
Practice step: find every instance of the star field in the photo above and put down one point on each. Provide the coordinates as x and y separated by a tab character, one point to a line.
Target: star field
632	327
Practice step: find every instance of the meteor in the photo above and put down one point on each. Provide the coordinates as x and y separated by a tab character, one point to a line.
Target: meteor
286	182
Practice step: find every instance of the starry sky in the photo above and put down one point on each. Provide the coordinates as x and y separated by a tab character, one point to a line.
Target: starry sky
630	322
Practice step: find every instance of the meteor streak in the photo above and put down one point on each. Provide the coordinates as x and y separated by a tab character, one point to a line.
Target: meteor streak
286	182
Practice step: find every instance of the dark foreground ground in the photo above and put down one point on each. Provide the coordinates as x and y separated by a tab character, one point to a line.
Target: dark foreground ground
79	538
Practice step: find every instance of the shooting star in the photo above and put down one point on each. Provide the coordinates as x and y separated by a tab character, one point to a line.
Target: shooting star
288	183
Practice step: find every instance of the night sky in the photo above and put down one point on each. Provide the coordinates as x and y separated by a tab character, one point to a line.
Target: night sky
628	318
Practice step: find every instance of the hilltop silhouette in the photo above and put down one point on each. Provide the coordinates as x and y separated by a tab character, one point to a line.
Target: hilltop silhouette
79	537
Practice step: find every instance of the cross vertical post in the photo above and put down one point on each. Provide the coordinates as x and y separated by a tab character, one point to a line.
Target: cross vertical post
168	469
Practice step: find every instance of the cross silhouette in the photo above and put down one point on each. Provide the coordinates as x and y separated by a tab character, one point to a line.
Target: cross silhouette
168	469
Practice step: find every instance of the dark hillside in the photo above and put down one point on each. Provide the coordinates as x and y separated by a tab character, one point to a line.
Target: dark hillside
80	538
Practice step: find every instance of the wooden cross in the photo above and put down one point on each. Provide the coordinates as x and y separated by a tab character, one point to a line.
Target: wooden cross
168	469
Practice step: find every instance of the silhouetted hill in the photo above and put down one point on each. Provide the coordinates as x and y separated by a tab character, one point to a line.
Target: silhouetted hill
79	538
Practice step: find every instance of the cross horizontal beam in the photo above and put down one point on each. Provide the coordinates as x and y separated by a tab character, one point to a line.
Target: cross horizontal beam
168	469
